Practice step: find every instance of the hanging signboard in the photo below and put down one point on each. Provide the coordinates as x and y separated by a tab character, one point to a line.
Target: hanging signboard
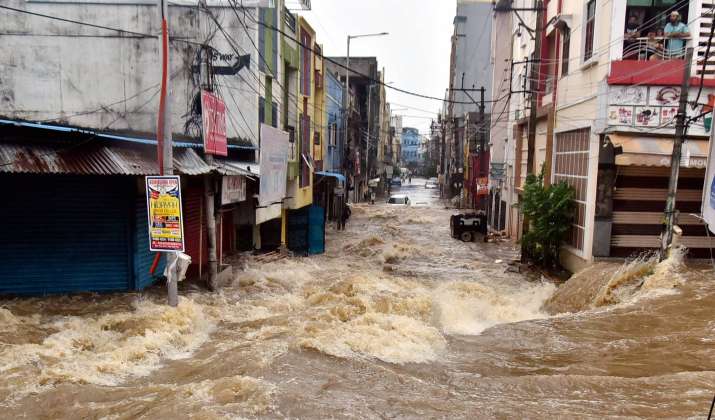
166	225
708	209
274	170
213	117
233	189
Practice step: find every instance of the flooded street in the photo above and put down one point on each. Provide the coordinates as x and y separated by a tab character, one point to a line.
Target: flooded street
395	320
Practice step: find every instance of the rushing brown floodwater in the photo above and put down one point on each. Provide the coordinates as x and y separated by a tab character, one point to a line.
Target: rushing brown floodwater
395	320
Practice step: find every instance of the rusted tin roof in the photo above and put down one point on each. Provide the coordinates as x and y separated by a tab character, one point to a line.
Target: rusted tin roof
97	160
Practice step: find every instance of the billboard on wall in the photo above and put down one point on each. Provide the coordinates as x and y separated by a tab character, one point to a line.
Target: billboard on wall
233	189
708	209
166	224
274	170
213	117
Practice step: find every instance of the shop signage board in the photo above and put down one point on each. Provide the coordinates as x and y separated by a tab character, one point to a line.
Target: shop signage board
166	224
708	209
233	189
274	170
213	117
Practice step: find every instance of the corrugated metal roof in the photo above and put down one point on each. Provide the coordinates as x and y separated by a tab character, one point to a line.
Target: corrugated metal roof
246	145
251	169
94	160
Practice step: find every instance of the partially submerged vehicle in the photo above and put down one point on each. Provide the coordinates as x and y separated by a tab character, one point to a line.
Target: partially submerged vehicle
467	226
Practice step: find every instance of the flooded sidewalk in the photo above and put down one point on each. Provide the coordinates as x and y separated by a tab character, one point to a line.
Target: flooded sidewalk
396	320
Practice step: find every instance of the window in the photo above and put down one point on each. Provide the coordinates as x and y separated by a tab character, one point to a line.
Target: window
565	50
306	74
590	29
571	166
262	110
274	114
304	151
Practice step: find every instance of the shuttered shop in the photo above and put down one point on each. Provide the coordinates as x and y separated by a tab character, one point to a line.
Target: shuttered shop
63	233
638	203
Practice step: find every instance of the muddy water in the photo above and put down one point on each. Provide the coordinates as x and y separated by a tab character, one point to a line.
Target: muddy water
395	320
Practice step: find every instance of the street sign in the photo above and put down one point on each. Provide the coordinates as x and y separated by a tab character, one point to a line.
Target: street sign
164	212
213	116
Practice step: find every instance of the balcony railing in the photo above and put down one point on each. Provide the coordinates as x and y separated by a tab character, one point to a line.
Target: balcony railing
653	48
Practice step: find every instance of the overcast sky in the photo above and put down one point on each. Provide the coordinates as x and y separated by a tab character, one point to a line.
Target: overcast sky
415	54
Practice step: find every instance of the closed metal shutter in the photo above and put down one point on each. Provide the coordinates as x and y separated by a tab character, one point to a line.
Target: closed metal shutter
63	234
143	258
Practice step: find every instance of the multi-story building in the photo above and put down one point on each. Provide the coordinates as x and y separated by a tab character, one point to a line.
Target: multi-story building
470	71
411	143
363	108
397	139
605	119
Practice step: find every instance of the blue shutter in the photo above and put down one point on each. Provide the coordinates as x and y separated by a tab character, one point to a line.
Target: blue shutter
143	259
63	234
316	230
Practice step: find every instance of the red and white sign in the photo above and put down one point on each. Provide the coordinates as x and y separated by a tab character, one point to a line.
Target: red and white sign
213	115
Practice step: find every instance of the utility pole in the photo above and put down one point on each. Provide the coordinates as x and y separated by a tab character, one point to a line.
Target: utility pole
680	130
367	147
482	144
165	152
534	99
533	104
209	194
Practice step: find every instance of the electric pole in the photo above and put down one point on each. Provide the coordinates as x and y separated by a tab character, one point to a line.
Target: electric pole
534	99
209	192
533	104
165	152
680	130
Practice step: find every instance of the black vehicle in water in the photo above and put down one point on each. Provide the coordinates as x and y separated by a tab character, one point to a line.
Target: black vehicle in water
466	226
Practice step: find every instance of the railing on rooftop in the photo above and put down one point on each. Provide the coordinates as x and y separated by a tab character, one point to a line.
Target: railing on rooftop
289	18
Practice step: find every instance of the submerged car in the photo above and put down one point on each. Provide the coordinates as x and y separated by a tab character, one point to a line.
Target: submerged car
399	199
431	183
396	181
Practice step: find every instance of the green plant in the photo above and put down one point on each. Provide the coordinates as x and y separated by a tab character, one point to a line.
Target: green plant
549	211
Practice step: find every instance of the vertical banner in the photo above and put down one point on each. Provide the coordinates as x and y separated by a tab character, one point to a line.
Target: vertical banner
274	172
213	117
166	224
708	209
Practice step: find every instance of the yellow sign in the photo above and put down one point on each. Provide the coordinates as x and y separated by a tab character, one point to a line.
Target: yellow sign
166	225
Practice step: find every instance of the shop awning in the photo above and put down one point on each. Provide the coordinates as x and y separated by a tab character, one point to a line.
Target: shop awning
250	169
99	159
656	151
339	177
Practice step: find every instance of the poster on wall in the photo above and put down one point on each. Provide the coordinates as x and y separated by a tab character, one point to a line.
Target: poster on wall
166	224
664	95
620	115
628	95
233	189
708	209
647	116
213	118
274	170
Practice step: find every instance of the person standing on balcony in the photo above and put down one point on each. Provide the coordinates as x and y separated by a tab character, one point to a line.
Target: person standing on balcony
676	32
630	38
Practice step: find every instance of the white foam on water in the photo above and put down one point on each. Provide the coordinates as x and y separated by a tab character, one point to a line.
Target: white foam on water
468	308
107	349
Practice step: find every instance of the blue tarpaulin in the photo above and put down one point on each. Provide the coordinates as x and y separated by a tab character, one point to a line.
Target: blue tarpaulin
340	177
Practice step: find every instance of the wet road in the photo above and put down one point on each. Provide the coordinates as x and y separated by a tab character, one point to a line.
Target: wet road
396	320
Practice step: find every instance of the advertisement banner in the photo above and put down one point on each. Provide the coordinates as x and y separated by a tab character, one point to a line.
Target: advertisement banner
166	224
233	189
708	209
274	170
213	117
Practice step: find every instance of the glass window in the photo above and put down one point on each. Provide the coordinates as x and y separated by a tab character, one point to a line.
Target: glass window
590	29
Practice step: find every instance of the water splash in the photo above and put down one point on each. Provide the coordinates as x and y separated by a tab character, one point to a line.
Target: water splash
468	308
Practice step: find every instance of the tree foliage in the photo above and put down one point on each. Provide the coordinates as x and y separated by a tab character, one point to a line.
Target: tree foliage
549	211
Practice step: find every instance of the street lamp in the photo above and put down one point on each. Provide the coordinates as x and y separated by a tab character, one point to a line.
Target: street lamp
347	80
